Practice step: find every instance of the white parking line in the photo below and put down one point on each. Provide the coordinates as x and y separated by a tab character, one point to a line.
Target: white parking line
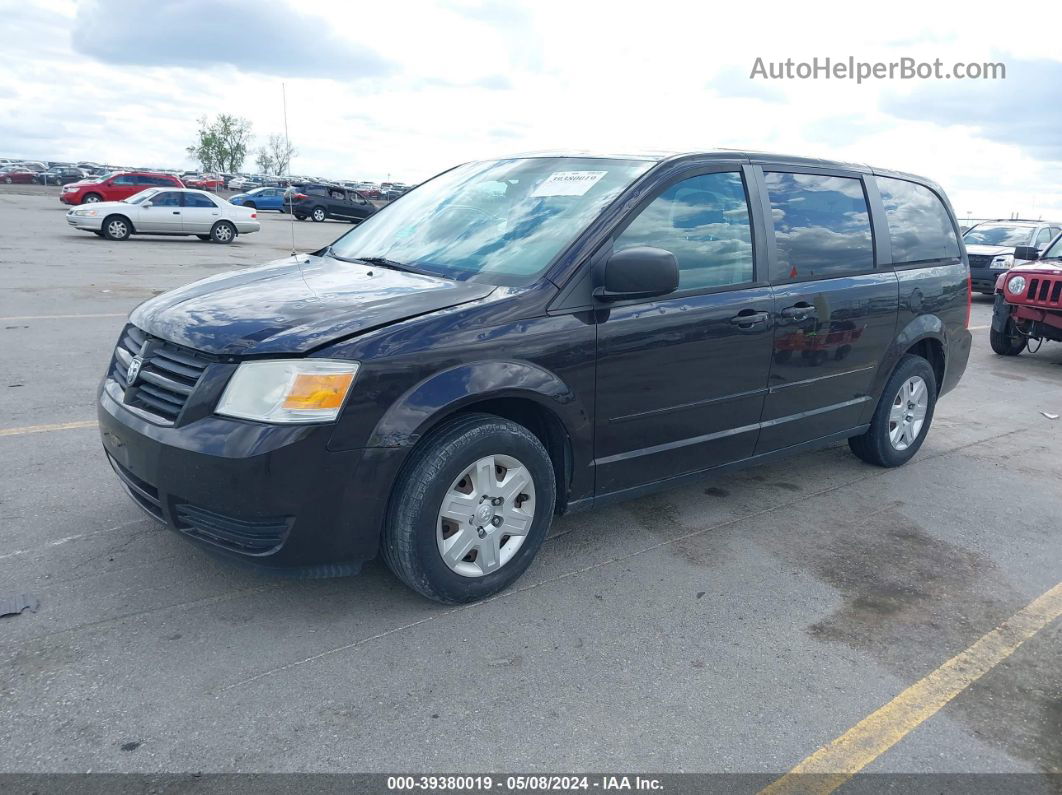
61	317
58	426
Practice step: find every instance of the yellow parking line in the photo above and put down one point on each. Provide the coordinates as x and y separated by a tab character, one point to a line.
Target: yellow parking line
833	764
61	317
58	426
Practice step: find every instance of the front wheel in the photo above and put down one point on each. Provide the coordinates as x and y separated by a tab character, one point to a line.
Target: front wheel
203	237
223	232
91	198
470	510
1009	342
117	227
903	416
250	205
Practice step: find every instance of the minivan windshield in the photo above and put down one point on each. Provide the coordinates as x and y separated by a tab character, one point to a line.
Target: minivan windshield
999	235
499	221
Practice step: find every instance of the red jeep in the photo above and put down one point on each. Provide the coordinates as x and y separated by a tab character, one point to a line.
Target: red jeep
1028	301
116	187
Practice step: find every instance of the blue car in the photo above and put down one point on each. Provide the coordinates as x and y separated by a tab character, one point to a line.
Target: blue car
261	198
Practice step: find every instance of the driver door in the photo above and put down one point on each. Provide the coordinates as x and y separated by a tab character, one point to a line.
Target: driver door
682	378
163	216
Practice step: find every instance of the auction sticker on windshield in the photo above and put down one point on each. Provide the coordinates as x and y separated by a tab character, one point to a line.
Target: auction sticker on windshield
568	183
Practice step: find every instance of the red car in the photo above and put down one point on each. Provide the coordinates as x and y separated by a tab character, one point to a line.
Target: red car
17	174
116	187
205	182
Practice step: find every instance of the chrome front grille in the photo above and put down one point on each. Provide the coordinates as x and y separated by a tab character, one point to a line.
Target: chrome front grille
168	374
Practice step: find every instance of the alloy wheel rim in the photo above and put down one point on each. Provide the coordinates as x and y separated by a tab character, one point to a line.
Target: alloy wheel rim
318	215
907	415
91	200
116	228
224	233
486	515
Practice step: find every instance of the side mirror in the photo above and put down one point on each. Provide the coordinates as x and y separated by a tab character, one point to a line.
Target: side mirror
1026	252
145	205
639	272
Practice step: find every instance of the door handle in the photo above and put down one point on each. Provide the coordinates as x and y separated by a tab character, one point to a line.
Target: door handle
176	212
749	317
798	312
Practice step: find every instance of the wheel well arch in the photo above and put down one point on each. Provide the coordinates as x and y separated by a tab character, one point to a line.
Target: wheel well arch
123	216
932	350
545	424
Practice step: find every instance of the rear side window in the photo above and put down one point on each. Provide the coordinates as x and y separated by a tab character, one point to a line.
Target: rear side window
920	227
821	226
704	222
197	200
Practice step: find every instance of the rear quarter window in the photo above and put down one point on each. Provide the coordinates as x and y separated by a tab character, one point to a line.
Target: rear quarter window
920	227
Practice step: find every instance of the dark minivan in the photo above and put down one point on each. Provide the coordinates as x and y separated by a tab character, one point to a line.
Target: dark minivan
526	337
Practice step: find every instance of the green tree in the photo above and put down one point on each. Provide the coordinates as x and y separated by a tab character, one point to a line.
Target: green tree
221	145
264	161
280	152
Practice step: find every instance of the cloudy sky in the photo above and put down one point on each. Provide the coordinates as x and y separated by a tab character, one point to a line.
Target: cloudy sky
403	90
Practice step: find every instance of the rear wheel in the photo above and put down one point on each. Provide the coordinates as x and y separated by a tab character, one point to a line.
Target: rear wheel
318	214
91	198
117	227
203	237
223	232
252	205
903	416
1009	342
470	510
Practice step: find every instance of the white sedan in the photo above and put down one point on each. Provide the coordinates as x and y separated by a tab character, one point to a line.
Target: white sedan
162	211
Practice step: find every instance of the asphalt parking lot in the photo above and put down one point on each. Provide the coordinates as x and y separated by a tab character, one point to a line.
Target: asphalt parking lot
736	625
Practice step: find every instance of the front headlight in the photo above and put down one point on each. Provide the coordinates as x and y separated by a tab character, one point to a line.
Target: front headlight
288	390
1003	261
1016	285
84	212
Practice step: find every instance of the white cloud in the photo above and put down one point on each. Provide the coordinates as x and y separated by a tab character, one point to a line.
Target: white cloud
404	90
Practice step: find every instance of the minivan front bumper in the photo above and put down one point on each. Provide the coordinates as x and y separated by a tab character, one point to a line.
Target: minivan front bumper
273	496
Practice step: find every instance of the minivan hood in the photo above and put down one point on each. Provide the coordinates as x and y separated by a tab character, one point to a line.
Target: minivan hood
294	305
991	251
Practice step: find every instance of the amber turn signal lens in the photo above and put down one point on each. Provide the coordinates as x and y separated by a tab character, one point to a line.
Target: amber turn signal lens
318	391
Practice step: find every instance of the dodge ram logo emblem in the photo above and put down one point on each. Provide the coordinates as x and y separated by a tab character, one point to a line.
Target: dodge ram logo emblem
134	370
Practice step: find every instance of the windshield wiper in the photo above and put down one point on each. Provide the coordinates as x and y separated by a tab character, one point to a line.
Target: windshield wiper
384	262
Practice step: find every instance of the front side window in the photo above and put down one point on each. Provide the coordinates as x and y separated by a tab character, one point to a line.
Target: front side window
995	234
704	222
920	227
167	198
452	227
1055	250
821	226
1043	237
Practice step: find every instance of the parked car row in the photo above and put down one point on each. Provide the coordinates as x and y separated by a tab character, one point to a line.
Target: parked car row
992	247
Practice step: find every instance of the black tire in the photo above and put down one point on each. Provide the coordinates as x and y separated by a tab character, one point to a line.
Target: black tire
1009	342
223	232
91	198
117	227
97	233
7	180
299	217
409	545
319	214
203	237
875	446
